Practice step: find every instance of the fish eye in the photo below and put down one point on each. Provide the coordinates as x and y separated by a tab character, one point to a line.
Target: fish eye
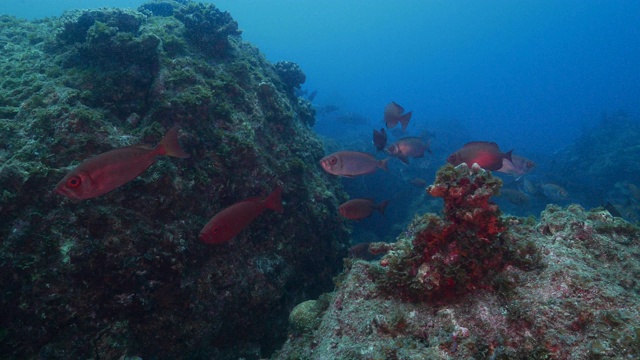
333	160
74	182
215	230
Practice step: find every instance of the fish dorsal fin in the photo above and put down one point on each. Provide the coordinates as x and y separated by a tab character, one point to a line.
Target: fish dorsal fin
397	107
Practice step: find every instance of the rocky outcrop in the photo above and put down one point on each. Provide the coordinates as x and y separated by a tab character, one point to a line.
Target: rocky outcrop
124	274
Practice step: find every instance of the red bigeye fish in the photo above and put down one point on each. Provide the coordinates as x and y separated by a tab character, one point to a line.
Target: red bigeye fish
231	221
379	139
554	192
352	163
408	147
357	209
418	182
393	114
515	197
517	167
484	153
102	173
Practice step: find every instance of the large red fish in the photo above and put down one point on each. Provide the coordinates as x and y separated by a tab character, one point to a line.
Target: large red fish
102	173
393	114
484	153
231	221
352	163
357	209
408	147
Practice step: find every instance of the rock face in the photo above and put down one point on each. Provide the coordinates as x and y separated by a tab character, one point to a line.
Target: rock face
124	274
567	288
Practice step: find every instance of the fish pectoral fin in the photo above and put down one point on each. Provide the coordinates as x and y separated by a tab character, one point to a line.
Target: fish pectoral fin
404	159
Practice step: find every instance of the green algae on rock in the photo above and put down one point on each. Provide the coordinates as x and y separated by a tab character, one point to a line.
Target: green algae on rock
124	275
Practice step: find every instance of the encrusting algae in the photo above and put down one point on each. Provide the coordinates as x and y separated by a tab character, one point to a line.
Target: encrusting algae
475	284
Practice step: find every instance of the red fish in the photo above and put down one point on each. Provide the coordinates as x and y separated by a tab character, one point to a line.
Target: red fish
484	153
517	167
408	147
352	163
393	114
102	173
418	182
229	222
357	209
516	197
554	192
379	139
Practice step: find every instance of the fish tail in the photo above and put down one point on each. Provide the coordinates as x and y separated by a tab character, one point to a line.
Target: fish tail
383	164
404	120
382	206
170	146
274	200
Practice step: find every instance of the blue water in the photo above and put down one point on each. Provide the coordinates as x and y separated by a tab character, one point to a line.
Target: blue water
529	75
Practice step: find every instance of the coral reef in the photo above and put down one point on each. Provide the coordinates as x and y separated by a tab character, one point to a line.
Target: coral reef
567	289
439	258
124	275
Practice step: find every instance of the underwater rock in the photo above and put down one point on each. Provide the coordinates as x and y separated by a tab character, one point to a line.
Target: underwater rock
160	7
442	258
208	28
291	74
124	274
593	165
305	316
576	299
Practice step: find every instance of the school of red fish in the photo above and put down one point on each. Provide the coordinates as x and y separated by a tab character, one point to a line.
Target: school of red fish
486	154
108	171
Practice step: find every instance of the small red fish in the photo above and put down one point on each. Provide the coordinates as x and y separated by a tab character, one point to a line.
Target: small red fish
408	147
393	114
516	197
517	167
352	163
484	153
554	192
229	222
102	173
357	209
379	139
418	182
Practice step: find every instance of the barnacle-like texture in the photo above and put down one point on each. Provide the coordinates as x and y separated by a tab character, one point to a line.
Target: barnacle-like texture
208	28
444	257
291	74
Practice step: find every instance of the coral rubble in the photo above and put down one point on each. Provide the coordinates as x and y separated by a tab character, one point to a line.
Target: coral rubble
564	288
124	274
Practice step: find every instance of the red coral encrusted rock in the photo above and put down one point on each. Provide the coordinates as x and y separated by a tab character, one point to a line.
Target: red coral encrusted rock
442	257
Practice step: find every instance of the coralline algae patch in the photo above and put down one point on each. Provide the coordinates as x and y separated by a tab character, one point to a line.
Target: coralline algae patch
566	288
443	257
